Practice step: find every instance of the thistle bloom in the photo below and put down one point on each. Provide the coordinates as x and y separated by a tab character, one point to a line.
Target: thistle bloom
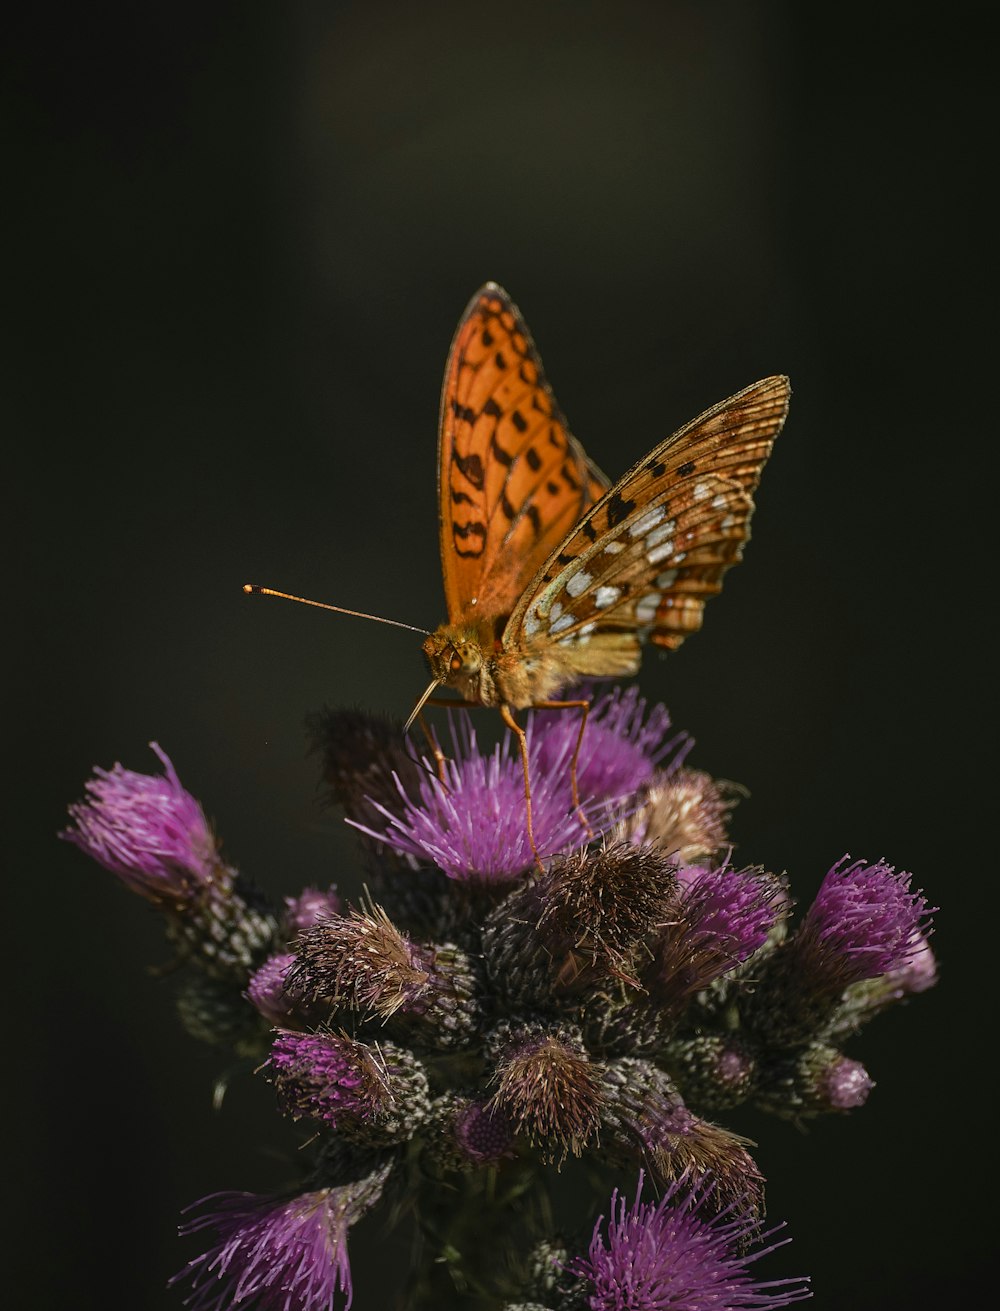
723	916
328	1077
677	1254
733	909
147	829
290	1252
347	1085
863	922
620	748
266	989
309	907
473	825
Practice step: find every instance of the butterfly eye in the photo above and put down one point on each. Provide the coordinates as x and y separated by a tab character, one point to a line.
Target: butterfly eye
455	664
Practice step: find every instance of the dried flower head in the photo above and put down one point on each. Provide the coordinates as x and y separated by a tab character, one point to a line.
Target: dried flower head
362	962
684	814
546	1086
596	911
646	1120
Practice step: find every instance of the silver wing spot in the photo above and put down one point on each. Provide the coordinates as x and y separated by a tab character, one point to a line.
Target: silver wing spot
646	522
579	583
605	596
660	552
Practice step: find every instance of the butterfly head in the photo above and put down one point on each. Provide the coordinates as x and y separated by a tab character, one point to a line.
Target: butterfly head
457	659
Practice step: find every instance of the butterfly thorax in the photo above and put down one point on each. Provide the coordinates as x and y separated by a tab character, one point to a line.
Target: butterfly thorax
472	659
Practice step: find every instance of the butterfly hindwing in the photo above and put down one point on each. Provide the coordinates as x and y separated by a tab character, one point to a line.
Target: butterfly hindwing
643	560
513	481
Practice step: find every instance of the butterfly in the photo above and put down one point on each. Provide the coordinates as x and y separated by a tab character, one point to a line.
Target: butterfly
551	574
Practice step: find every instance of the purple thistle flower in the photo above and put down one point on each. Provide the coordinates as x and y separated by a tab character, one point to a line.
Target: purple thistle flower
309	907
147	829
376	1095
864	921
328	1077
735	909
266	989
473	827
723	916
288	1252
677	1254
621	746
864	925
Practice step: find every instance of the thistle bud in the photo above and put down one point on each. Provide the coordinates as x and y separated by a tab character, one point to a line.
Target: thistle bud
463	1133
816	1081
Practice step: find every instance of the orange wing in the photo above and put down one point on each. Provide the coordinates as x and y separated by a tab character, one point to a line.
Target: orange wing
512	480
645	558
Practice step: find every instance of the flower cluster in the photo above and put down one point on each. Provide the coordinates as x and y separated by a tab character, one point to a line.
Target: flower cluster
490	1013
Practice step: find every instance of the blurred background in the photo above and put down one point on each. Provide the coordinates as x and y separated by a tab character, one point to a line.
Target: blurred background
240	238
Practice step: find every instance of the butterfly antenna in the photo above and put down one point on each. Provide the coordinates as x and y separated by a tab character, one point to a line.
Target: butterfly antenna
420	705
255	589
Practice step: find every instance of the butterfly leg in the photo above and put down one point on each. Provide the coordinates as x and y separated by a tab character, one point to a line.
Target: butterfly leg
507	716
574	786
436	752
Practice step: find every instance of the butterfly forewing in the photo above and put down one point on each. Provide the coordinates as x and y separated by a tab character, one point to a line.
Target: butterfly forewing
513	482
642	561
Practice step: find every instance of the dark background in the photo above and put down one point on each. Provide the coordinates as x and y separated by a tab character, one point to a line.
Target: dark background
242	236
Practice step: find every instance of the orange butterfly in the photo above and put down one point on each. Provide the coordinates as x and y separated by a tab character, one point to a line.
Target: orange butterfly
551	575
